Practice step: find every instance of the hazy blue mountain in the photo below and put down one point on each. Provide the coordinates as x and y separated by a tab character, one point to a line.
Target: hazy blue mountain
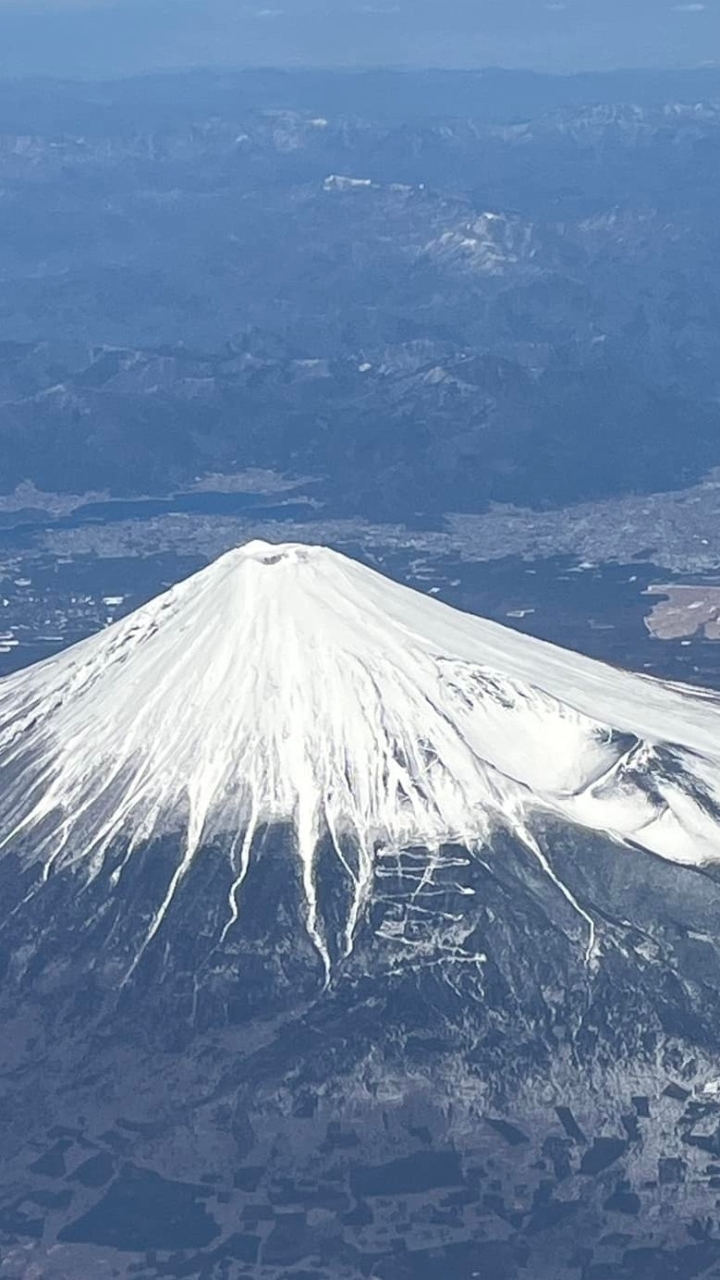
64	37
313	273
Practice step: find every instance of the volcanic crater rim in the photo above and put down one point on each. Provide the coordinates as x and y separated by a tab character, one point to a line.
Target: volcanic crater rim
270	553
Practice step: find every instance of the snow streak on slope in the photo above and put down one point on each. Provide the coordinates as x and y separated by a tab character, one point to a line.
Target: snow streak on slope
289	683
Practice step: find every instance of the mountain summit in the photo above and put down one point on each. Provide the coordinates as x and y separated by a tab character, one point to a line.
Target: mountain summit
288	685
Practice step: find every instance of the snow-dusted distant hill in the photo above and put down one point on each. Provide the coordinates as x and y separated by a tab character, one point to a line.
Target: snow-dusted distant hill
426	292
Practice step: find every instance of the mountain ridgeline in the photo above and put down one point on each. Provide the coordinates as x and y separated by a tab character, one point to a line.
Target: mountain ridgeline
422	312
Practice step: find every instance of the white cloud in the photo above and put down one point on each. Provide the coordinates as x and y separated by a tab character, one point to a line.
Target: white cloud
690	8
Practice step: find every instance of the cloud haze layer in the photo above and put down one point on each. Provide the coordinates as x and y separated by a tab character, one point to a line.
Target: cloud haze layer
99	37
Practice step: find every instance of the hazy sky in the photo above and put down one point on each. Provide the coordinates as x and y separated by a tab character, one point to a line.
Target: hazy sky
97	37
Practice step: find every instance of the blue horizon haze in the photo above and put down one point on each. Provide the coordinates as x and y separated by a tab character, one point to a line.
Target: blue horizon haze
96	38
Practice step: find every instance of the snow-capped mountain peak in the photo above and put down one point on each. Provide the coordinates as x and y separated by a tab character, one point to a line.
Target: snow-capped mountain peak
289	684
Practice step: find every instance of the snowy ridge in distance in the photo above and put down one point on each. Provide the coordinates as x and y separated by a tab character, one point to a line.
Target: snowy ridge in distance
289	683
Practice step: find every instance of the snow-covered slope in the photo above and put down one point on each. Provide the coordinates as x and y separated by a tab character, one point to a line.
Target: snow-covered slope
290	683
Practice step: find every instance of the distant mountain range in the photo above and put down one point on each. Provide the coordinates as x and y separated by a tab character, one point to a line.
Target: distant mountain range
424	311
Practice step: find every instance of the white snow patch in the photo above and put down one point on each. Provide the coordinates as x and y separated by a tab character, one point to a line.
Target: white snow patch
345	182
